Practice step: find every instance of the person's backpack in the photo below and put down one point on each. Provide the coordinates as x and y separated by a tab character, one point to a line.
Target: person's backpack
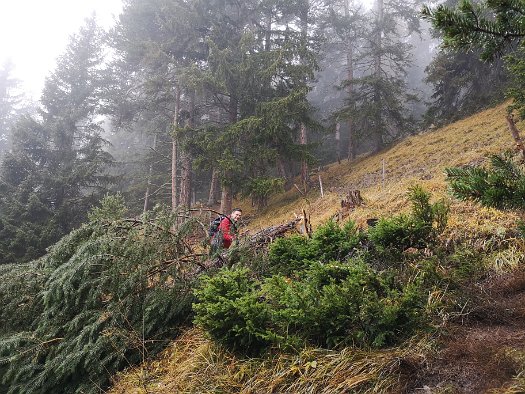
214	225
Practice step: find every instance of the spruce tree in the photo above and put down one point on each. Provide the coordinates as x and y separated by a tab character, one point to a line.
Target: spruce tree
11	104
493	27
105	297
56	169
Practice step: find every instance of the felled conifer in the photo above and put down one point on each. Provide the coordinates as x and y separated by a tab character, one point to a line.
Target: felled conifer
112	293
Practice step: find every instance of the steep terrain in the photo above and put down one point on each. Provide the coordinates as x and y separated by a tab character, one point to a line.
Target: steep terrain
478	348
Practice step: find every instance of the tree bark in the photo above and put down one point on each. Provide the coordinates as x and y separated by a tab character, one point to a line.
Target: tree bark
283	173
174	194
304	165
303	138
186	160
213	187
377	132
349	88
226	200
150	172
268	32
226	196
338	141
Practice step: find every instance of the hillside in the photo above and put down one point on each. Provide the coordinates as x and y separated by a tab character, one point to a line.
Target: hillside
480	347
418	159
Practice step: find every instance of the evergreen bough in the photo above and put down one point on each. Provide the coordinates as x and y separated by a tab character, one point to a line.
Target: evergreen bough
106	296
501	186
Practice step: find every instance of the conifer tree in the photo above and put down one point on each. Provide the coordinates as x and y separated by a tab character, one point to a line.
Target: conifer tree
493	27
235	57
55	171
10	104
106	296
378	94
383	93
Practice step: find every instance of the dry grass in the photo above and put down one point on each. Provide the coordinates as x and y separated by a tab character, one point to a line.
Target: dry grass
419	159
194	364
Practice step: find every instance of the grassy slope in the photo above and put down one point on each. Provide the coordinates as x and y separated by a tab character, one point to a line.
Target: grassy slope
194	364
419	159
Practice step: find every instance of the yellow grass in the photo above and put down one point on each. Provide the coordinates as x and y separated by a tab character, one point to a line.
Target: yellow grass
194	364
419	159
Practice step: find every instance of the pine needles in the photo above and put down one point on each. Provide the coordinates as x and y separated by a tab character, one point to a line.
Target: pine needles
106	299
502	186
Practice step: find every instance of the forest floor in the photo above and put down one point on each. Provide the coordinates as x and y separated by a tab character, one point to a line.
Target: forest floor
482	351
479	351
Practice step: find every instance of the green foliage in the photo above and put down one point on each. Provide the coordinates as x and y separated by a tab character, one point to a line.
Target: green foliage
112	207
463	84
417	230
289	255
20	289
260	189
491	25
57	166
399	233
465	265
229	308
329	242
516	66
501	186
332	305
494	27
105	296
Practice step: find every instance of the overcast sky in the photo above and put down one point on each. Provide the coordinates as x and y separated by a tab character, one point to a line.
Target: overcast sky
33	33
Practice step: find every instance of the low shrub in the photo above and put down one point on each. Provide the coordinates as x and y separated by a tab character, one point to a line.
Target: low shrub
104	296
332	305
417	230
339	305
289	255
229	308
399	233
329	242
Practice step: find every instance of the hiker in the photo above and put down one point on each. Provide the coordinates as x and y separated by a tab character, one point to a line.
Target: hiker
227	230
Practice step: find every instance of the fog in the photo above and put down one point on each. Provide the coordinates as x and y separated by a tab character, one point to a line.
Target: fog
33	33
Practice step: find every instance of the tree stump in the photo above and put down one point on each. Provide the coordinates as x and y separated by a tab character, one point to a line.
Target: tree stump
352	200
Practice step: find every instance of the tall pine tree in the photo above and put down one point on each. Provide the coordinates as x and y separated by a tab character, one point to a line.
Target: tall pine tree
56	169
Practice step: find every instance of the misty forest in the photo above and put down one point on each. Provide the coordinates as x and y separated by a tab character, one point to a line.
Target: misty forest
185	109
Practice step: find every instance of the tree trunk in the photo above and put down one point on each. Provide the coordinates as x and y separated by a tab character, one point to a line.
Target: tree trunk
338	141
377	132
226	196
516	135
268	32
186	162
213	187
283	173
150	172
350	87
174	195
226	200
303	139
304	165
